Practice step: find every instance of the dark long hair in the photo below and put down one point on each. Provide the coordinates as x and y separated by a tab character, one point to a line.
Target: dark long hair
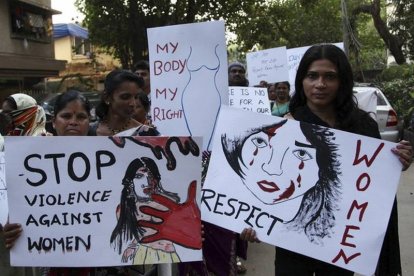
316	213
127	227
348	115
112	82
315	216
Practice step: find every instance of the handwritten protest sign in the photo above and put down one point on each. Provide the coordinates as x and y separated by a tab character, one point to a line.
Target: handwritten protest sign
104	201
269	65
189	79
320	192
3	191
249	98
294	55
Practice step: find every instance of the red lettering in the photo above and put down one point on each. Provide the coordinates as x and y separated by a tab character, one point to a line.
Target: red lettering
361	207
368	181
346	259
164	48
347	235
358	159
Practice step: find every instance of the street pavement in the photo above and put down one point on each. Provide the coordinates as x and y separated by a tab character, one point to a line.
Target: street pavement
261	256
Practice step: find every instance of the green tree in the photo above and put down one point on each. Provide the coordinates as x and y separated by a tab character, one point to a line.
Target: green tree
120	26
402	24
398	35
288	23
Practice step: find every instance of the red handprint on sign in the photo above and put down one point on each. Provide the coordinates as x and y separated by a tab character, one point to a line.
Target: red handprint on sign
180	224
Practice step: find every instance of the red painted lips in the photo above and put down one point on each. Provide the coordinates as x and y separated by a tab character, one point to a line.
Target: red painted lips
267	186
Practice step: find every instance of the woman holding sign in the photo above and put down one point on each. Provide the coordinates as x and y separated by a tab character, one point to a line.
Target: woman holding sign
71	119
324	97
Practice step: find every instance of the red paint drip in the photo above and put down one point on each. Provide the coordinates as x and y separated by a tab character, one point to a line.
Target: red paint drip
251	162
299	179
256	151
301	165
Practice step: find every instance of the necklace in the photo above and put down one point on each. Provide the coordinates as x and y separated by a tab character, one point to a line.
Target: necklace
116	131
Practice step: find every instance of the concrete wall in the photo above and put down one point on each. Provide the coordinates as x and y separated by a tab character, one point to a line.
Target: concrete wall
63	48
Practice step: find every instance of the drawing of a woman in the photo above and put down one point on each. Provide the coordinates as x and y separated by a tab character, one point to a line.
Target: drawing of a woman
281	164
142	179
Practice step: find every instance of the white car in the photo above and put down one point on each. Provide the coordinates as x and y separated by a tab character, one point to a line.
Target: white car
372	100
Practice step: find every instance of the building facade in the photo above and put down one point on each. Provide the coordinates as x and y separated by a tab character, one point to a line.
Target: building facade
26	46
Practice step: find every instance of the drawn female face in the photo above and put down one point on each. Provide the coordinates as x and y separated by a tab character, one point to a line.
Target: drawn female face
142	183
279	167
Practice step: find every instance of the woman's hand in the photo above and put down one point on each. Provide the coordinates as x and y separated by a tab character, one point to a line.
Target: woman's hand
12	232
129	253
248	234
404	151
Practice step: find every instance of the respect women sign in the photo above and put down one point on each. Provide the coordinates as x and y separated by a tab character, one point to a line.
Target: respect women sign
104	201
317	191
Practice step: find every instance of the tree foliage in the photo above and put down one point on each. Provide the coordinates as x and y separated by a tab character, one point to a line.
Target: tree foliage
402	24
120	26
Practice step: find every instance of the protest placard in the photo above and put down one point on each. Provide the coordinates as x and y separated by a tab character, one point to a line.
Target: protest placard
249	98
294	55
189	78
267	65
104	201
317	191
3	191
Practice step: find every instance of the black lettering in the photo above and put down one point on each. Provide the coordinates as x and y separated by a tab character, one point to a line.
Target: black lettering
231	206
275	219
100	164
71	171
241	204
55	156
31	202
251	215
218	204
204	197
31	219
35	170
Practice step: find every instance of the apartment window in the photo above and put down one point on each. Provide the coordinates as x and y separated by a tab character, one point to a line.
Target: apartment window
30	23
81	46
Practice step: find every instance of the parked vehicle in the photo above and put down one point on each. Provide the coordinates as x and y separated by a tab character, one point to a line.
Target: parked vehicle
386	117
49	102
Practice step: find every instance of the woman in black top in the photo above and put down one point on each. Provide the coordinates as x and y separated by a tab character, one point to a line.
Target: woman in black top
324	96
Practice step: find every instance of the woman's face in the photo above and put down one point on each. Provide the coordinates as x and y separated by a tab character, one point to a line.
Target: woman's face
73	120
271	93
123	99
321	85
140	114
282	91
279	168
142	184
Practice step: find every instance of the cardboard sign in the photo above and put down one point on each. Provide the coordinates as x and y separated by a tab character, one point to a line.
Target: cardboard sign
189	78
269	65
4	210
104	201
250	98
317	191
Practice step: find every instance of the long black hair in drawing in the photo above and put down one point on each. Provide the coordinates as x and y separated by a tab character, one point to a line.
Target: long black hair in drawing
127	227
315	216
